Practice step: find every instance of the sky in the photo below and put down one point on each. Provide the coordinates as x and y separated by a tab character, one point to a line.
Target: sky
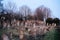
54	5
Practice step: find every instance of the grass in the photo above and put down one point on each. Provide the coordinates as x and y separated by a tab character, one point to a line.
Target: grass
50	35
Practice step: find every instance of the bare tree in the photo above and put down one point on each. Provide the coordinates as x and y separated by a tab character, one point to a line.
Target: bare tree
39	14
42	12
10	6
25	10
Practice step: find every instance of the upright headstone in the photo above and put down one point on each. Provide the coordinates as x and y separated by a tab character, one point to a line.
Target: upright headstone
5	37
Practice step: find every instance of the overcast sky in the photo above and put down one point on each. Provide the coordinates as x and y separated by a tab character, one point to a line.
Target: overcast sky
54	5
